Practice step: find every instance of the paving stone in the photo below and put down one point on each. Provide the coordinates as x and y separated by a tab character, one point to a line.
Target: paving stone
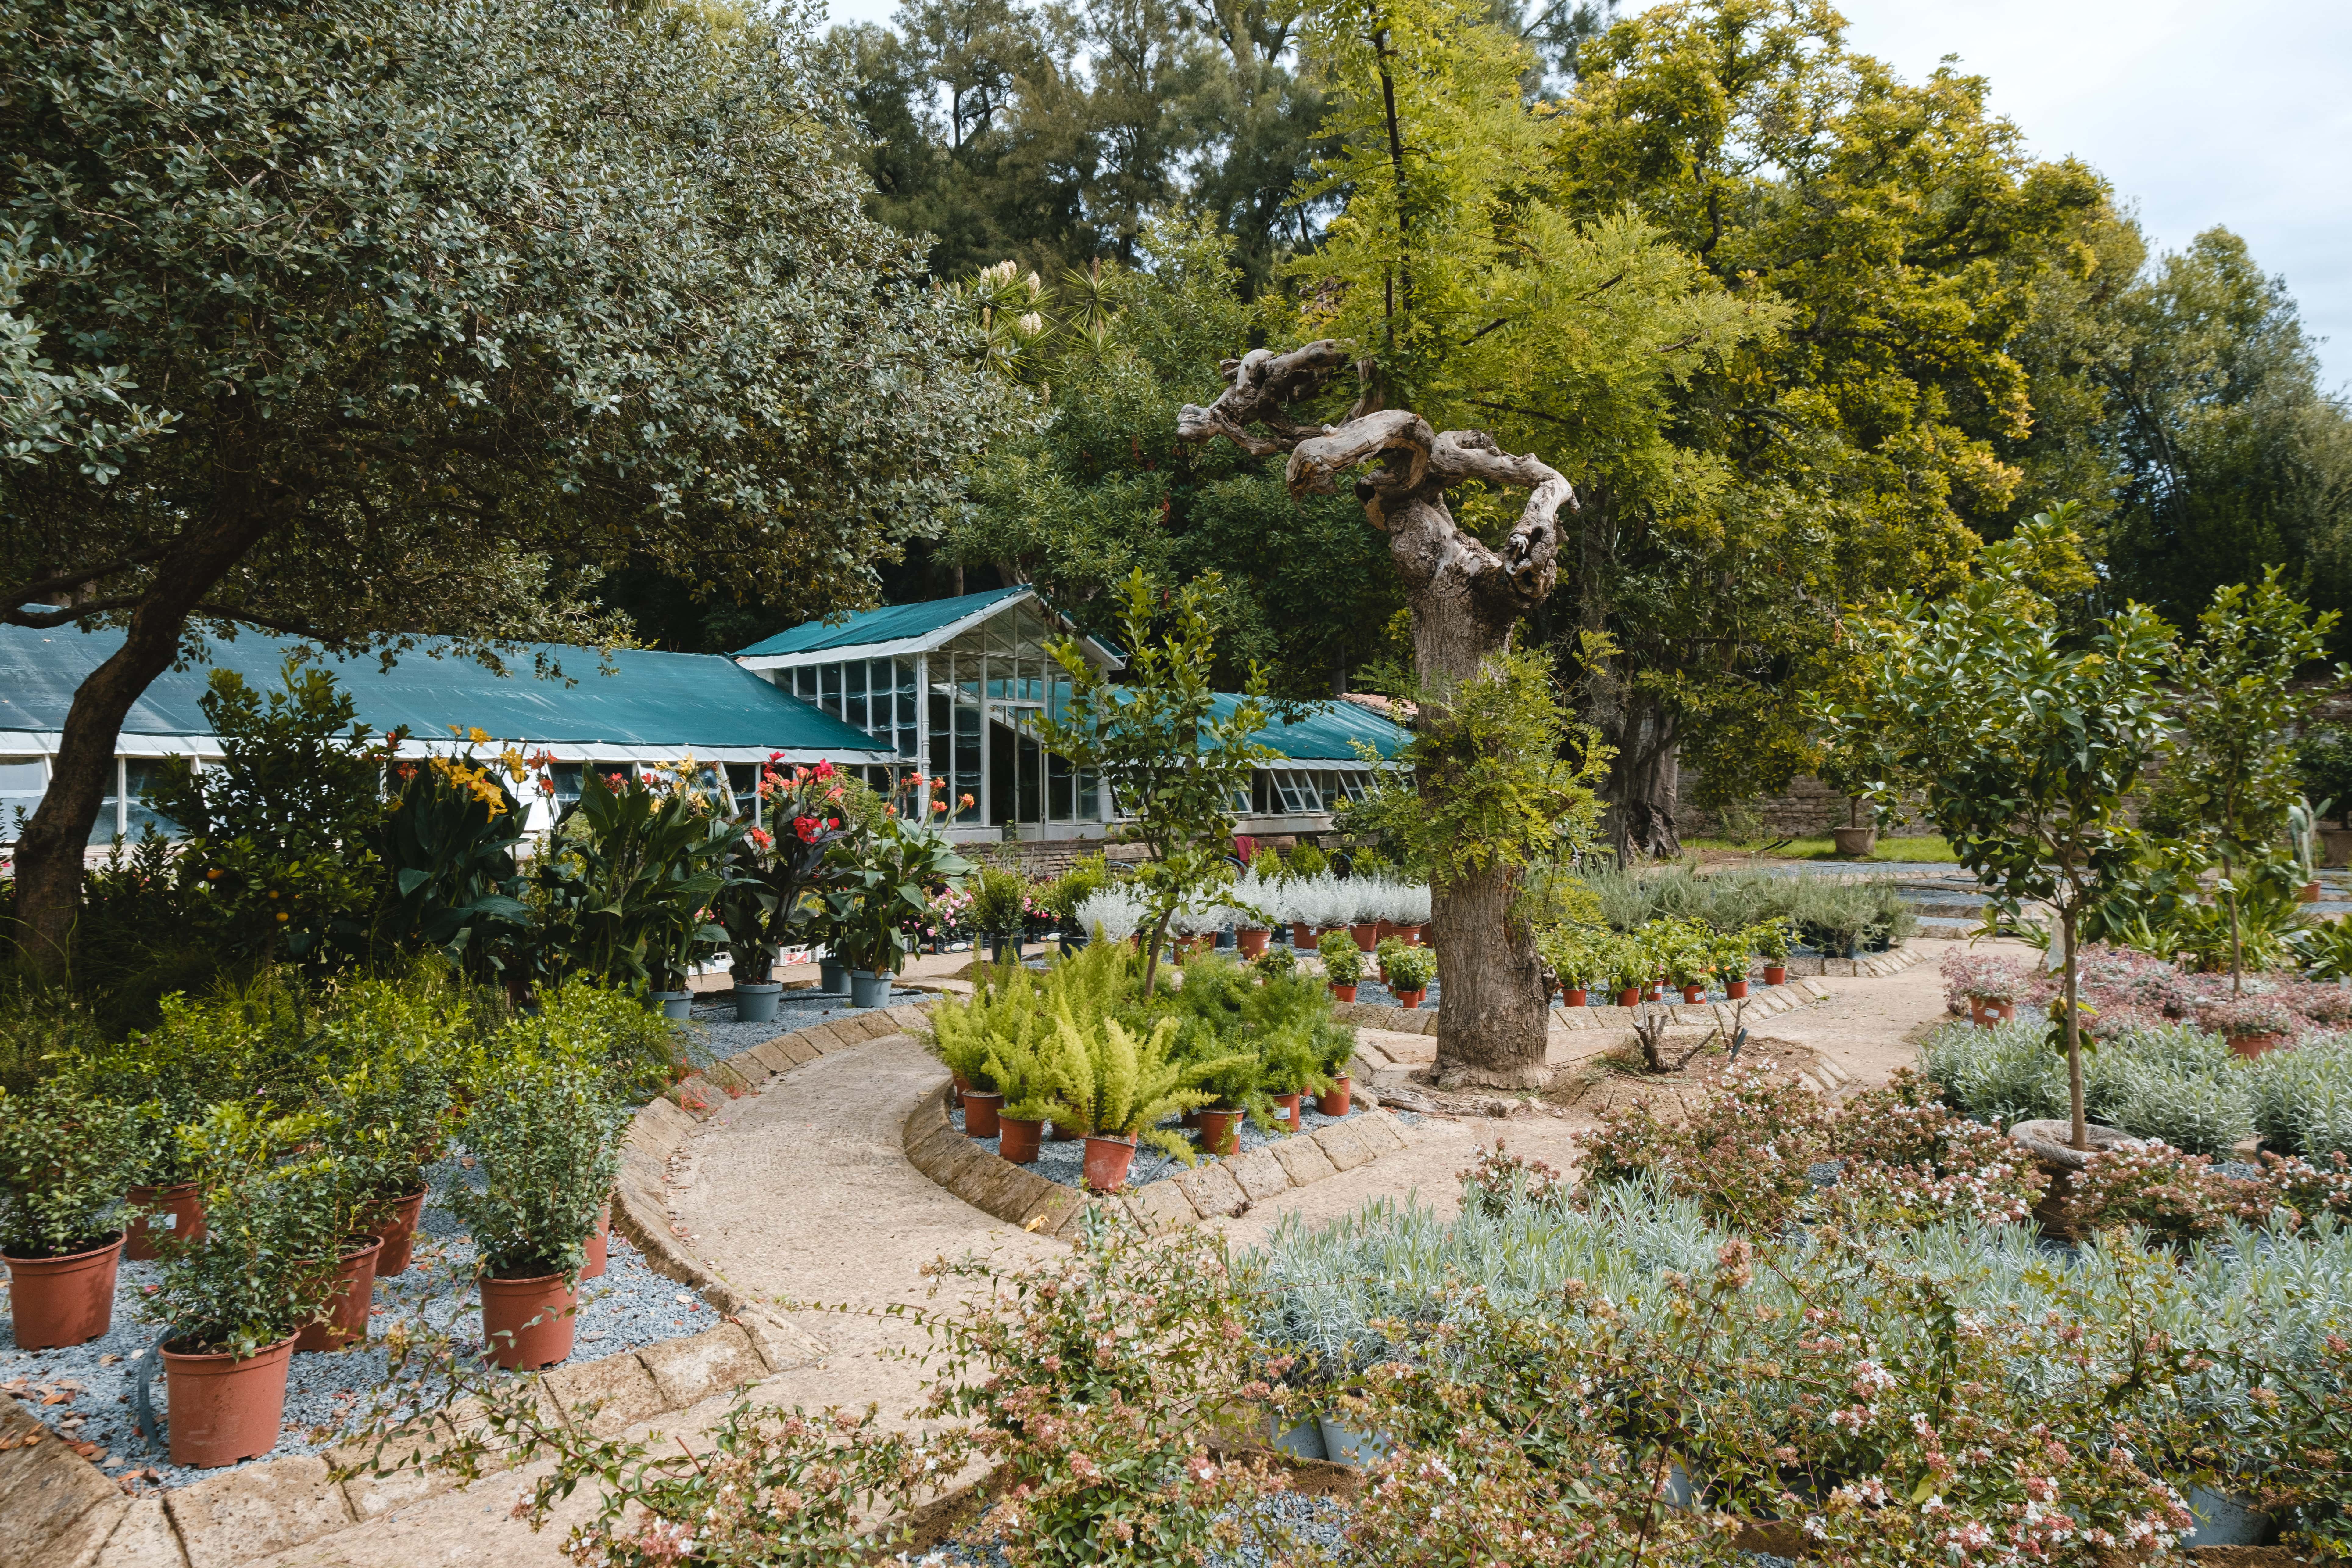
1303	1159
945	1154
666	1124
1381	1131
1055	1208
1344	1145
619	1384
995	1186
55	1506
796	1049
710	1362
1160	1204
1212	1189
834	1037
698	1090
143	1539
908	1015
1262	1175
770	1056
373	1496
256	1509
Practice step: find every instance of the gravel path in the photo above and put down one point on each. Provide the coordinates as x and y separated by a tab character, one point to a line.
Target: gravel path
630	1306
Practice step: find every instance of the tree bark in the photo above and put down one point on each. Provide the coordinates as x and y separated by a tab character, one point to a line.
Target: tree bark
49	855
1466	598
1644	783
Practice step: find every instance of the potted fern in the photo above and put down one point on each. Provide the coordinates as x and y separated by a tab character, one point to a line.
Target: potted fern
1119	1089
1343	963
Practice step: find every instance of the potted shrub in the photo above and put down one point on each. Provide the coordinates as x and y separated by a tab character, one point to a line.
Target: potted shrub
1276	963
1628	965
887	877
1117	1088
778	874
164	1079
1409	971
1335	1051
1771	940
544	1136
1728	956
1570	951
233	1301
64	1155
627	880
998	908
2253	1024
388	1116
1343	963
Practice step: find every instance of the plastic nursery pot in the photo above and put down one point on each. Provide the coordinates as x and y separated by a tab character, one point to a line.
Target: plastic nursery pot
1189	1119
1368	936
1057	1134
868	990
223	1410
755	1003
677	1004
395	1224
527	1323
1656	993
1220	1131
1421	935
1735	989
347	1308
2309	893
1336	1102
1342	992
1694	992
599	1245
1985	1014
1018	1140
178	1209
1107	1159
1575	997
2252	1046
1776	974
962	1087
1410	999
1250	941
67	1300
979	1113
1630	997
1289	1103
832	976
1302	935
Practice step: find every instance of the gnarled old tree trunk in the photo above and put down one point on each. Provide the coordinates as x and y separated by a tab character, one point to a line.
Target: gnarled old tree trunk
1465	597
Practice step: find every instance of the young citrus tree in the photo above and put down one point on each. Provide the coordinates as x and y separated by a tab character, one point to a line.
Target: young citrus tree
2023	742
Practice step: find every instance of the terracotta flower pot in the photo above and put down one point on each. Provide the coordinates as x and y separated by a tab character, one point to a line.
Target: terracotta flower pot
527	1323
1057	1134
1776	974
347	1308
1630	997
1656	992
1411	998
1694	992
1250	941
1220	1131
1735	989
178	1209
1107	1161
600	1245
69	1301
979	1113
1302	935
1289	1103
1387	929
2309	893
1336	1102
396	1227
2252	1046
1018	1139
962	1089
1985	1014
1368	936
1342	992
225	1410
1575	997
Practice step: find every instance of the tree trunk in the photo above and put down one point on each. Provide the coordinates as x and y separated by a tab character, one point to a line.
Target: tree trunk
2082	1137
1644	783
50	856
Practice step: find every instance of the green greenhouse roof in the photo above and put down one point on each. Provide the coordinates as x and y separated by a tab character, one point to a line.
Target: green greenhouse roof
890	624
1327	732
653	702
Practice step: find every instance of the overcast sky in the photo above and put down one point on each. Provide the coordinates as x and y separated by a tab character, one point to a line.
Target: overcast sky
2238	114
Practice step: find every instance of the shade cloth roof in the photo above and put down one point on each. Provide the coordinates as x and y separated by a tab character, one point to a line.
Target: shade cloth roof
653	707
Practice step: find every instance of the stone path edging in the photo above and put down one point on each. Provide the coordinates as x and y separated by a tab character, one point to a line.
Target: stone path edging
1218	1188
59	1510
1763	1002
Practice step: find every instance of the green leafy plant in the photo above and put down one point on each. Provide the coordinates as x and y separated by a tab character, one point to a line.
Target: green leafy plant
64	1158
394	1055
999	902
545	1137
1343	960
277	1210
1115	1085
625	882
886	879
2323	766
447	842
1412	969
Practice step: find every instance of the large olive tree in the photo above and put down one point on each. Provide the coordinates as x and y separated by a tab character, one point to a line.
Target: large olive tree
1448	294
365	319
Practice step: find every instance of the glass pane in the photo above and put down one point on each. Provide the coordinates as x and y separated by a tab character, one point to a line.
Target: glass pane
967	763
1061	793
1089	795
804	683
143	776
22	782
1032	803
103	829
829	689
567	777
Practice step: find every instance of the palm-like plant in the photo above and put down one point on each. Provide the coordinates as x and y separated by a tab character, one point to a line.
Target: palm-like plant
1109	1083
636	871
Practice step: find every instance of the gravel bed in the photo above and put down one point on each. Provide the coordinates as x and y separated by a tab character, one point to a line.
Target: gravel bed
1065	1162
628	1307
1280	1525
715	1029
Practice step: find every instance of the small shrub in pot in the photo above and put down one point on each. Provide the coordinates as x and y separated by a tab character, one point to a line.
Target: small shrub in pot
1343	960
64	1157
1411	969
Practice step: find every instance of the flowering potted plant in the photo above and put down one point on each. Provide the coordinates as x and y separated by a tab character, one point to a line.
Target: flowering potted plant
1771	940
234	1300
628	880
64	1155
1343	963
777	878
545	1136
2253	1024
